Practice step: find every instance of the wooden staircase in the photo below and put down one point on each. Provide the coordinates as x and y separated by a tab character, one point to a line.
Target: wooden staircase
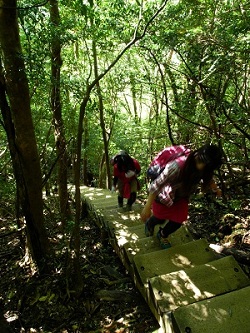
188	287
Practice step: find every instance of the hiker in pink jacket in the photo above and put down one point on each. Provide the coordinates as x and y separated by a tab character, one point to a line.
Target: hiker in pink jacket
169	193
126	170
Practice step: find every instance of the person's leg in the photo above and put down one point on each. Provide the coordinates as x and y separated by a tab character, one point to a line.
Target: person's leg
120	193
150	225
163	233
169	228
131	200
120	201
132	197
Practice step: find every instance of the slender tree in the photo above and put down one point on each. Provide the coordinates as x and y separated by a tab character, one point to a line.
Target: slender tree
25	140
60	141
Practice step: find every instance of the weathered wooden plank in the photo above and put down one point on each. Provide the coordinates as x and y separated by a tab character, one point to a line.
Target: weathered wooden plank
176	289
228	313
173	259
151	244
141	246
181	236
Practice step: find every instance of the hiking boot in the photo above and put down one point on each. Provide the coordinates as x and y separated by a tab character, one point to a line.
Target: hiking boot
120	201
164	242
128	208
149	229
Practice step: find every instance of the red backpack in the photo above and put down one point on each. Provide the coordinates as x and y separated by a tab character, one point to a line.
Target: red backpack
165	156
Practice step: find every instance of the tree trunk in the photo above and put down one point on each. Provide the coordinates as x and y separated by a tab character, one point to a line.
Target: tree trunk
60	141
85	157
10	132
101	113
25	141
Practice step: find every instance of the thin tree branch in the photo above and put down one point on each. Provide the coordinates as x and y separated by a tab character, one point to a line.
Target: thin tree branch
132	42
238	127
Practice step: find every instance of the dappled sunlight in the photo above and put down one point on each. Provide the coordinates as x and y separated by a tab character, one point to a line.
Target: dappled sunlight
129	216
97	246
230	311
133	251
118	225
110	324
99	196
96	194
200	313
129	226
181	261
140	246
180	288
176	289
122	324
197	293
124	236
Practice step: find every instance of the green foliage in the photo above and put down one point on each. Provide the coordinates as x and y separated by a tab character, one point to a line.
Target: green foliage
7	187
235	204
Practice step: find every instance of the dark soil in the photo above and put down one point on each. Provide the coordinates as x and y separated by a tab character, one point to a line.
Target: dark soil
109	303
45	304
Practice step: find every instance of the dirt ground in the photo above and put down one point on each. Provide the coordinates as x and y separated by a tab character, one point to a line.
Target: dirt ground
109	303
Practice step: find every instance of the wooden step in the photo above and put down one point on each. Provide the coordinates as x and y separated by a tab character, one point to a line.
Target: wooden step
125	234
180	236
228	313
187	285
118	224
173	259
103	203
141	246
93	193
151	244
183	287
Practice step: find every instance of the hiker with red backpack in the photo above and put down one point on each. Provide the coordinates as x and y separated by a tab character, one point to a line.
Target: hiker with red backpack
175	176
126	170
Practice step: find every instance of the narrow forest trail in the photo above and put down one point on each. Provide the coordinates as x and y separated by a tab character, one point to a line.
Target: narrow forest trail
188	287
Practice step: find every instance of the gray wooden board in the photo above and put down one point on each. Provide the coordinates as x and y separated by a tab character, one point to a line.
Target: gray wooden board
121	223
195	284
141	246
127	234
181	236
228	313
173	259
121	228
150	244
103	203
95	192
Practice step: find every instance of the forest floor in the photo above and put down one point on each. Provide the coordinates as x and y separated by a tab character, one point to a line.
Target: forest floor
45	304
